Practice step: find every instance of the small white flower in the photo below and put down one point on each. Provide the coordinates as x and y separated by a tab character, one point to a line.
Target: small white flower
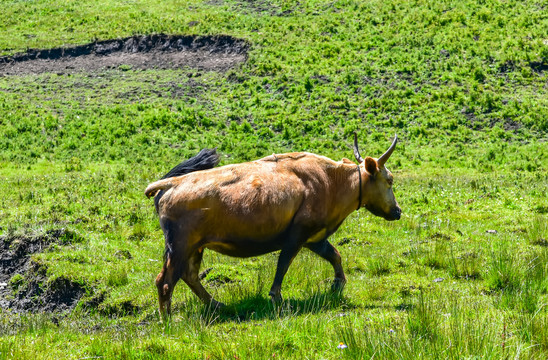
342	346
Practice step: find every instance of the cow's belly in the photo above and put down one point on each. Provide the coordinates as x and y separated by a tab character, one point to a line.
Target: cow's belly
255	246
244	247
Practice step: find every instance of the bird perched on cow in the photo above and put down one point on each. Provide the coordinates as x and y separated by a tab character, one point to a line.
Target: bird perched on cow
281	202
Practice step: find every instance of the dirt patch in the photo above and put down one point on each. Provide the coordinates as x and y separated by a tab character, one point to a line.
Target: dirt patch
511	125
539	66
23	283
212	53
507	124
472	121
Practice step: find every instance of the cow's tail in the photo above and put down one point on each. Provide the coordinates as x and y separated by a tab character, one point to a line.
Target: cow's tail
206	159
158	186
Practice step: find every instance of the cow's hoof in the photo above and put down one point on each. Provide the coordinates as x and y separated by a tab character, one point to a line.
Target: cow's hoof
276	299
214	304
164	317
338	285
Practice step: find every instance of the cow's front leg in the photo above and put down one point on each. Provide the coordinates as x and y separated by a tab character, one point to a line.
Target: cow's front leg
287	255
329	253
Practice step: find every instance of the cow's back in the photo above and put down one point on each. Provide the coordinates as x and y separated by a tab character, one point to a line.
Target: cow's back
257	199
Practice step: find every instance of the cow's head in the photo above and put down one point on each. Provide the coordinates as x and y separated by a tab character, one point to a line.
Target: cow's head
377	185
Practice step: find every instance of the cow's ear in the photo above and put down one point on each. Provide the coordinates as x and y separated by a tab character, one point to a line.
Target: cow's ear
371	165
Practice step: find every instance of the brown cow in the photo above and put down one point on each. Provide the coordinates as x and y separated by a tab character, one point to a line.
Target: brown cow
281	202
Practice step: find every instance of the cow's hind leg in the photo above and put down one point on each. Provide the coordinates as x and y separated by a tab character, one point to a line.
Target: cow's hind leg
174	260
190	276
166	280
329	253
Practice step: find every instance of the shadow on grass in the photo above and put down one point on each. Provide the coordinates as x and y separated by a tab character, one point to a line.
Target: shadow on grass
257	307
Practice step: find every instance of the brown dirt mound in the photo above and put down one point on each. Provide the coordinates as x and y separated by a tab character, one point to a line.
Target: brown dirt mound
23	283
215	53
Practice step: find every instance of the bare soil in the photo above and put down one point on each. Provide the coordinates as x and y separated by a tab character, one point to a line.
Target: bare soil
210	53
23	285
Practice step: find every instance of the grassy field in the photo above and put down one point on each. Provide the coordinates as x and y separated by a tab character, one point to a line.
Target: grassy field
463	274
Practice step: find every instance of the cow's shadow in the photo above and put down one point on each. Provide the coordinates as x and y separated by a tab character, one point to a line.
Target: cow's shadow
257	307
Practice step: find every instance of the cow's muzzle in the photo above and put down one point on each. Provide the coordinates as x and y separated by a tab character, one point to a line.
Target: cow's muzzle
395	214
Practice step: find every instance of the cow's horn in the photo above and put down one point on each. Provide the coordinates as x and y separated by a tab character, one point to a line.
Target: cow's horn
356	151
382	160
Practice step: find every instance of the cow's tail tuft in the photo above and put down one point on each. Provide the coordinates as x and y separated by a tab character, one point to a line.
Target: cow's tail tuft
206	159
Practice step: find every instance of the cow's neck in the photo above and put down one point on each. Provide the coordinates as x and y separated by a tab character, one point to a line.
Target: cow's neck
349	195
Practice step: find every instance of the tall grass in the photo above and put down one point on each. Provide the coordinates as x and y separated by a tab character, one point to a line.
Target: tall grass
437	327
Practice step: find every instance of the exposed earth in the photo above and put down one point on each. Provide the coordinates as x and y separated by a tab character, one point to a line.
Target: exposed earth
212	53
23	282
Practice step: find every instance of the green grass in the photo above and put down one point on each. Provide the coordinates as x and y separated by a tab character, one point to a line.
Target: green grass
462	83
